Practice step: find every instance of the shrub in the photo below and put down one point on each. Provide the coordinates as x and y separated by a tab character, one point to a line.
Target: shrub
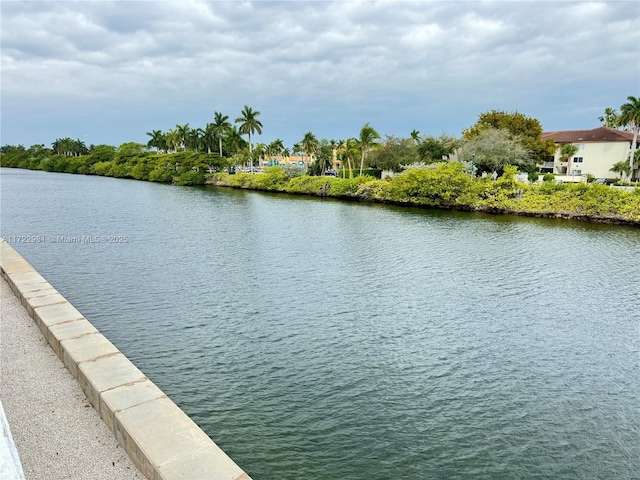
190	178
548	177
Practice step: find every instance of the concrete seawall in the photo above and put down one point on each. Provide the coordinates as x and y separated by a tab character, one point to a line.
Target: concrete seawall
162	441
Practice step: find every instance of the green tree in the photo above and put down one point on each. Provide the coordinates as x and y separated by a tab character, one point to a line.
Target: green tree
276	148
367	142
209	137
221	127
309	145
393	153
249	123
173	139
195	138
622	169
415	134
630	117
432	149
183	134
63	146
567	151
234	142
491	150
157	140
610	117
324	156
522	129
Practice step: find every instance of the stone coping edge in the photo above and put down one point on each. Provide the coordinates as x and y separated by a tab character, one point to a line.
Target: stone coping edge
162	441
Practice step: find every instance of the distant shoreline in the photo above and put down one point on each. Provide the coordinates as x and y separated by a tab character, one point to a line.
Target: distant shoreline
222	181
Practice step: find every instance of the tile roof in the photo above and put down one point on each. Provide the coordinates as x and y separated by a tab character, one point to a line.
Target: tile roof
600	134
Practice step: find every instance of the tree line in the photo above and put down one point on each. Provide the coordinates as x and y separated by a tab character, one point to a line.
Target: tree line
497	139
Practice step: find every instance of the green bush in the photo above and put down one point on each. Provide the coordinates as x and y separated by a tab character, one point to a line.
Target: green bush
190	178
102	168
160	174
439	186
548	177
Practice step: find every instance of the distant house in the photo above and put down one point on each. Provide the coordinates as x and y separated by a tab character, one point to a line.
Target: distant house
598	150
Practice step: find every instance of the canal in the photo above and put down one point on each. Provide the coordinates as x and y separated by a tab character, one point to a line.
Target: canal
320	339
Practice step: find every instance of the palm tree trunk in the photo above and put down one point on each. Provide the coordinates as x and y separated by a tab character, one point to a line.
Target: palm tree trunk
632	153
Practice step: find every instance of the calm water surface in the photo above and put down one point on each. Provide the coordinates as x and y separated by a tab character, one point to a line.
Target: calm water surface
321	340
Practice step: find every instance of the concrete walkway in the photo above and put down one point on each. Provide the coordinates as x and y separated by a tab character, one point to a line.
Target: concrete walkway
57	433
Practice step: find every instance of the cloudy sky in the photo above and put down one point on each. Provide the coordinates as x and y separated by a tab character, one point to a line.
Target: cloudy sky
110	71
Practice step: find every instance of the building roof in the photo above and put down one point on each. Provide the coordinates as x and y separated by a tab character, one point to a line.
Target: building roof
600	134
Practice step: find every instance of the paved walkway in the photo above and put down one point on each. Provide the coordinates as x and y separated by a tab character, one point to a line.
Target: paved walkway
57	433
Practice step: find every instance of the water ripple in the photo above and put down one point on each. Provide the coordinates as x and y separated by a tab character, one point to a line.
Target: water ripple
318	339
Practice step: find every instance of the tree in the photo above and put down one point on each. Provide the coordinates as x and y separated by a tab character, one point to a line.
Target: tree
221	127
492	149
209	137
522	129
195	138
157	140
394	153
621	168
183	134
324	157
432	149
367	141
610	117
349	151
309	145
630	116
276	148
63	146
173	139
234	141
415	134
567	151
249	123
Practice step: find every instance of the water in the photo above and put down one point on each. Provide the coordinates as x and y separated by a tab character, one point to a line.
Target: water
319	339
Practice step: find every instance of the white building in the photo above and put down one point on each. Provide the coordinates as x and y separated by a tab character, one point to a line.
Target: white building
598	150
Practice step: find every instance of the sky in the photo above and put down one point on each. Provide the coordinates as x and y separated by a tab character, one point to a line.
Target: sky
107	72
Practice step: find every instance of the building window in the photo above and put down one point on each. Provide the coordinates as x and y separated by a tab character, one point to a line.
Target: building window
577	159
581	146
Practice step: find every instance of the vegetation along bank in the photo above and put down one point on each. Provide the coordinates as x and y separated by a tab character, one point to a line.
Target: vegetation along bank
495	167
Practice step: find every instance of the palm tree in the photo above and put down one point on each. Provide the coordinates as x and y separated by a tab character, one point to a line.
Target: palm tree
234	141
415	134
309	145
63	146
79	147
221	127
183	131
567	151
209	136
367	141
249	123
173	139
195	138
157	139
621	168
610	117
630	116
277	146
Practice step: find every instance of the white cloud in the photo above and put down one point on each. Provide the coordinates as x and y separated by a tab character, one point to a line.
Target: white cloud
422	62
